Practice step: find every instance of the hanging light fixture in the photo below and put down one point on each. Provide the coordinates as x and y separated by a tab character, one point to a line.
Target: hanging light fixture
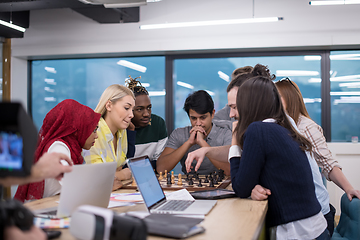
212	23
343	2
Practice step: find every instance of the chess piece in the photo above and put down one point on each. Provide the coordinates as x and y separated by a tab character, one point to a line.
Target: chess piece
168	179
165	174
206	179
172	173
191	182
211	184
172	178
160	176
200	185
179	180
187	177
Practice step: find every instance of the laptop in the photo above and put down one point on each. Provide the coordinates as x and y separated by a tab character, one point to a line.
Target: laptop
154	196
89	184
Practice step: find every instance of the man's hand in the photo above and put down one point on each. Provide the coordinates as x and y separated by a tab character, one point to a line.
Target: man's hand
197	155
260	193
123	174
50	166
14	233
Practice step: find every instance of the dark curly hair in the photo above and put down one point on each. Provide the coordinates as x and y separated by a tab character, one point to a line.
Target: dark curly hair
135	86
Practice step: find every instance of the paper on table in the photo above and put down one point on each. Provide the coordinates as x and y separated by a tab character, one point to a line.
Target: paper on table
113	204
182	194
127	197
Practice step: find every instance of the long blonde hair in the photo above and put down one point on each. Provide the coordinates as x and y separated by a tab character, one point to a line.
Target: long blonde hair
112	93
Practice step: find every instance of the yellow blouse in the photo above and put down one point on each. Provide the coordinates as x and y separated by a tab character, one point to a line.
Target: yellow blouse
103	149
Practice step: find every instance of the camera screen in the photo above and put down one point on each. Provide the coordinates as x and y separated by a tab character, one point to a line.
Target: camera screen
11	151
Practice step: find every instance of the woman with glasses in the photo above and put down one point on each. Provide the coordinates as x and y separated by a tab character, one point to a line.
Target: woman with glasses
273	156
67	128
293	102
116	108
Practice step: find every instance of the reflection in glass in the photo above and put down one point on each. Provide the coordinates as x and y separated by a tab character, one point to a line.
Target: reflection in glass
345	95
212	75
85	79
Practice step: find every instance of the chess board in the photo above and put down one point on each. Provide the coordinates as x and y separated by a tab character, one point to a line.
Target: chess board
185	184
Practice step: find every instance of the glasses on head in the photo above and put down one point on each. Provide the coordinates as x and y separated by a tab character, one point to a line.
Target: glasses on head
287	79
95	130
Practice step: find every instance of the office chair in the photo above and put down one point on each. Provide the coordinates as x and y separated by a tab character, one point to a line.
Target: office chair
349	224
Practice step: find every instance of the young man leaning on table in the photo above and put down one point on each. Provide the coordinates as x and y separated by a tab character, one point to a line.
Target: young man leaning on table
202	132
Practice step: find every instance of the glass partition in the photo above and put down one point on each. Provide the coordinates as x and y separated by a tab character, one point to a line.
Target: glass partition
213	75
84	80
345	95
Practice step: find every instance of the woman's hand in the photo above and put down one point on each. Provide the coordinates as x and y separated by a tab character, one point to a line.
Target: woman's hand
234	140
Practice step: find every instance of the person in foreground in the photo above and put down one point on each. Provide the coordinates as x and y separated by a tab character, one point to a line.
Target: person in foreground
67	128
48	166
116	108
293	102
151	133
202	133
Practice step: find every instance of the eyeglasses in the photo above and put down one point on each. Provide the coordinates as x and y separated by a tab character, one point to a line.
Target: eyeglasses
95	130
287	79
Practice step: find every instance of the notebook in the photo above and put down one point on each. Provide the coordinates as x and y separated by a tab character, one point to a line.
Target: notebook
154	196
89	184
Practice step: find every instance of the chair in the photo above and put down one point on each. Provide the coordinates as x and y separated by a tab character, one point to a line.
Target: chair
349	224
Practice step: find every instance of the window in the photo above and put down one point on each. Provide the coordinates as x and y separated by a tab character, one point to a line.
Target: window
84	80
213	75
345	95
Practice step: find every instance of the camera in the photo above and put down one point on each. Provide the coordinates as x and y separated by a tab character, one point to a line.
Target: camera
106	225
13	213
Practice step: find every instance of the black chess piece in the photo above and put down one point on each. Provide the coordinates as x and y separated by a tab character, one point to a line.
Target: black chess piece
187	177
191	182
206	179
197	176
211	184
168	179
214	180
200	185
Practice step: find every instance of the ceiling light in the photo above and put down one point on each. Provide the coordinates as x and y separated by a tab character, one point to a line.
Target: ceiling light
343	2
50	69
350	85
210	92
13	26
347	100
157	93
344	93
186	85
131	65
224	76
290	73
312	58
210	23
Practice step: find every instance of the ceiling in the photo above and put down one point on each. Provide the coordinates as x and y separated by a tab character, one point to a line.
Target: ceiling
18	12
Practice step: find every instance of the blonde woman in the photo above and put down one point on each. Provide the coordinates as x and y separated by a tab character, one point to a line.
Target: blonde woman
116	108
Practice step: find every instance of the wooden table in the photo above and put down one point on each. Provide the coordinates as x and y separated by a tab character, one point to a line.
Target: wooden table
231	218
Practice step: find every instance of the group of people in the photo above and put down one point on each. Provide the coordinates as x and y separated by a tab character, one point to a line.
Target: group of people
264	138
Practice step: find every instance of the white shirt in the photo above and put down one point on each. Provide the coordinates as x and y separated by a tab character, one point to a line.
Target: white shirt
53	186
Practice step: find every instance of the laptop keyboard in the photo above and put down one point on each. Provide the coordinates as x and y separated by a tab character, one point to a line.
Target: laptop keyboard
175	205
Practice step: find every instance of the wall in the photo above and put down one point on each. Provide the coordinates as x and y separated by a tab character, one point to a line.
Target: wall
64	33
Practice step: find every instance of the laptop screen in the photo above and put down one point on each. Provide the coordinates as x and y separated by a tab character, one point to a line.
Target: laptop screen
146	180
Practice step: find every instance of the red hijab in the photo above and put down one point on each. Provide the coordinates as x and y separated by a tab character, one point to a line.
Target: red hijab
69	122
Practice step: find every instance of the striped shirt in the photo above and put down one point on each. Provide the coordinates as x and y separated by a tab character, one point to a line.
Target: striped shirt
103	149
322	154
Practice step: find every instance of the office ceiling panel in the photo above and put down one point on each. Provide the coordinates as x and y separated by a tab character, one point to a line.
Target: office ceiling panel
18	12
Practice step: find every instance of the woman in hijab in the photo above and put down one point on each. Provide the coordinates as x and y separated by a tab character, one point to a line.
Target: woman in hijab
67	128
